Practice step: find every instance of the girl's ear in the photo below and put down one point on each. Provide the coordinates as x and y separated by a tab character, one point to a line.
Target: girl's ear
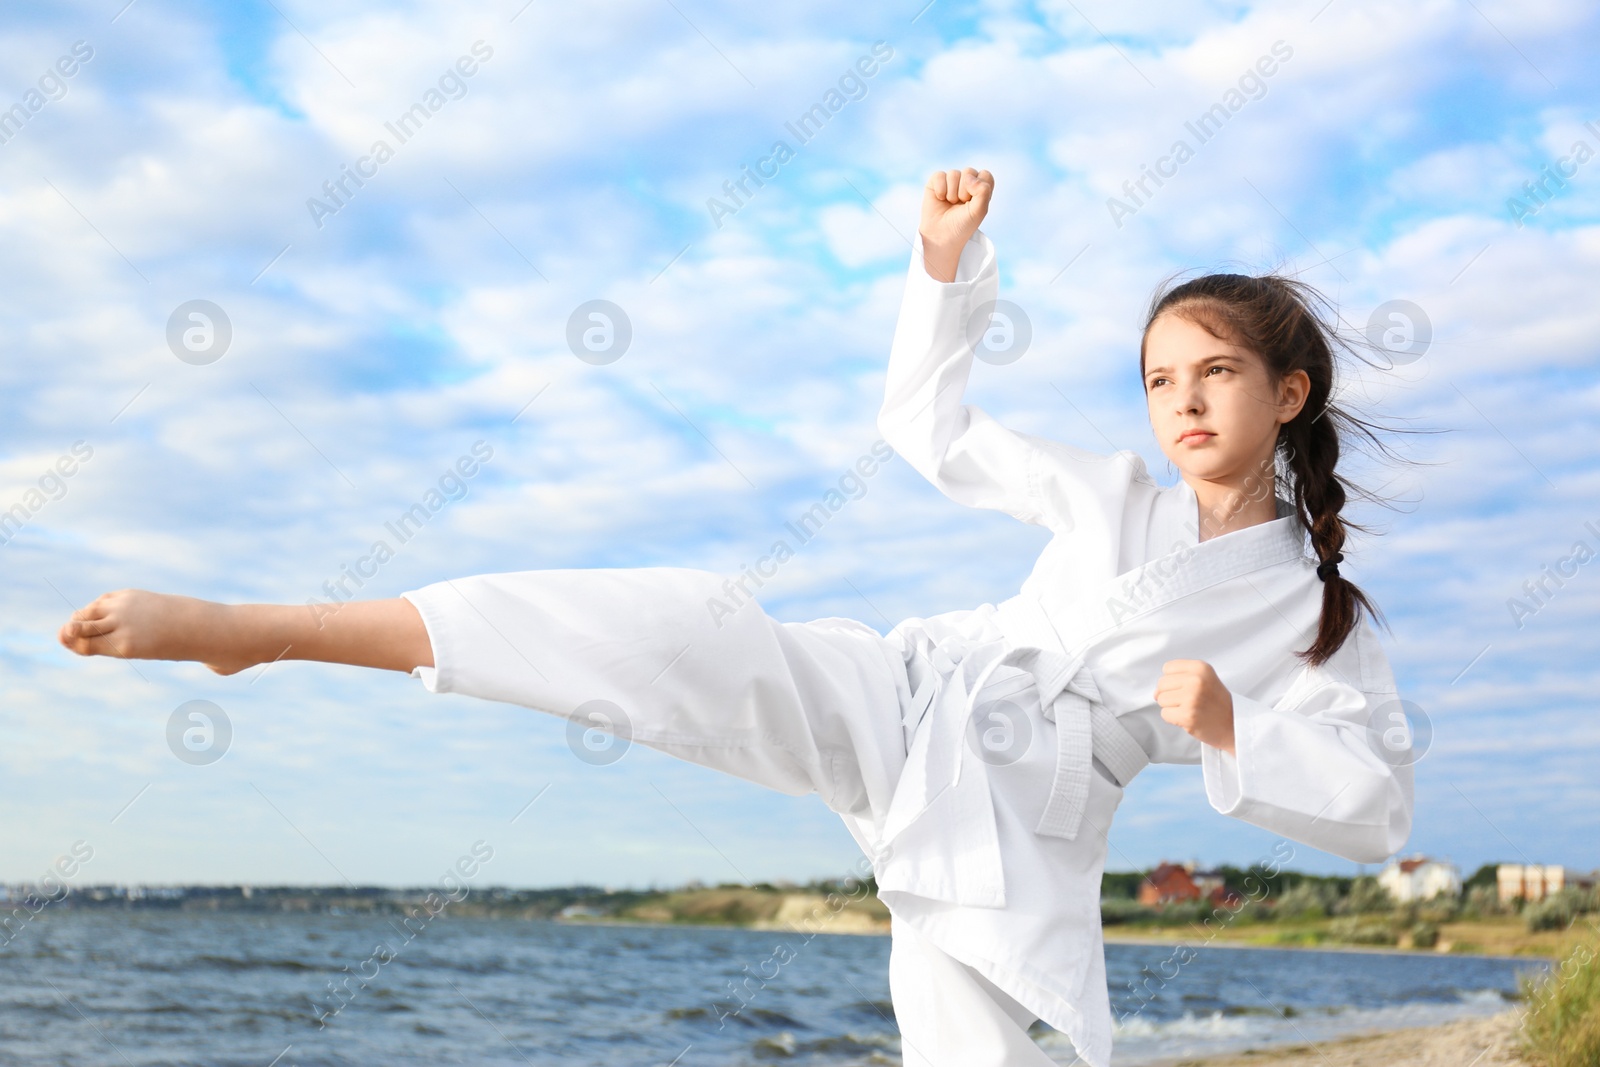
1293	388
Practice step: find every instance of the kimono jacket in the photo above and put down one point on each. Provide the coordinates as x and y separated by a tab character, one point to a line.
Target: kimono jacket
1029	718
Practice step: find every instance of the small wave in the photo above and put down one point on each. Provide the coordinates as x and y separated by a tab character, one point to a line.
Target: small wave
852	1044
1210	1025
767	1017
786	1045
687	1013
877	1009
475	968
1234	1029
172	1008
751	1017
235	963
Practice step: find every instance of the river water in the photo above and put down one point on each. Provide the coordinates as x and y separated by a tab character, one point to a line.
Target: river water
143	988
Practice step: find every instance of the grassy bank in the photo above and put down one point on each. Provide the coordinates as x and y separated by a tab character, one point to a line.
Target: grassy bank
1562	1025
1492	936
839	911
1306	911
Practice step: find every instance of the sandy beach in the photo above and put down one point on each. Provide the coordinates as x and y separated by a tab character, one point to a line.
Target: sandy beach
1486	1042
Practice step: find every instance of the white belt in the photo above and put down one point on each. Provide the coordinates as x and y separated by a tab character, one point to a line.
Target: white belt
939	838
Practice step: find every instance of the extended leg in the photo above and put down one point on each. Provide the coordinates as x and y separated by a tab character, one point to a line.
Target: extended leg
658	655
135	624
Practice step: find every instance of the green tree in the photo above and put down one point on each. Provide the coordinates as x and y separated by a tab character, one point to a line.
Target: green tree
1487	875
1365	897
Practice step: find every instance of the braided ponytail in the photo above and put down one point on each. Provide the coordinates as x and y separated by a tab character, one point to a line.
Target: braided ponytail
1283	321
1319	497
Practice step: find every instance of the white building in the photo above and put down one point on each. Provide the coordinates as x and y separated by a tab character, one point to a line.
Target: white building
1420	878
1535	881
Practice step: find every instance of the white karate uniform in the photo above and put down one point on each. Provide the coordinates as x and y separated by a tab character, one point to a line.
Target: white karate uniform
966	751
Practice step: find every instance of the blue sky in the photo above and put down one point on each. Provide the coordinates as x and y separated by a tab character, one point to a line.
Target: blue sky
575	163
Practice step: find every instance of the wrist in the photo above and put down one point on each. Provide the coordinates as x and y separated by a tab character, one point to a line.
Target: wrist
941	260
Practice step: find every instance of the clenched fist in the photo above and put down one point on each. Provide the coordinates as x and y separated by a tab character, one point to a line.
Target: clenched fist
954	203
1193	698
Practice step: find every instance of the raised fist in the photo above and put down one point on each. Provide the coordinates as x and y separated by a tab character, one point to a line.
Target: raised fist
954	203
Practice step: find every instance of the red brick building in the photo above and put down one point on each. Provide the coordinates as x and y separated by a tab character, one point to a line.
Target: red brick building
1168	882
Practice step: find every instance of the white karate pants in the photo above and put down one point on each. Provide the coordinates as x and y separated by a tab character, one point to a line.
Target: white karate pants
951	1015
652	654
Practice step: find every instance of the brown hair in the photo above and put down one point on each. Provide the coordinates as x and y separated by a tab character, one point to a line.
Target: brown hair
1285	322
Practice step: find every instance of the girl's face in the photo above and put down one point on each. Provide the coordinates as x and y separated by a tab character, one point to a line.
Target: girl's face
1212	406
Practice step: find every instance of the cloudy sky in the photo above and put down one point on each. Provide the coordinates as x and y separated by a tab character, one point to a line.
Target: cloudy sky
382	331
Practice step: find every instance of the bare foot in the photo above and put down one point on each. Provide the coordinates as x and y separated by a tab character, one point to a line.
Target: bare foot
135	624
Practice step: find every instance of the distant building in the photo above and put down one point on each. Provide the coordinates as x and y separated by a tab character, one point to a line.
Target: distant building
1420	878
1165	883
1168	882
1535	881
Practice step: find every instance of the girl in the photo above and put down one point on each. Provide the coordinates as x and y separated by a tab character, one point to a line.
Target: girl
968	752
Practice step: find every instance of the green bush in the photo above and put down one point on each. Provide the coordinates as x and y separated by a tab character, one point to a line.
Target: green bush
1561	1027
1441	909
1362	930
1184	912
1117	910
1304	900
1483	901
1435	910
1304	938
1558	911
1366	896
1424	935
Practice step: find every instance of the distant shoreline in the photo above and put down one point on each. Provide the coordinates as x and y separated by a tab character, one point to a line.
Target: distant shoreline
833	907
1166	938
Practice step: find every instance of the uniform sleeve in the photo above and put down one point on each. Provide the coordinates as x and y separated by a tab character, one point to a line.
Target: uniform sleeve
959	447
1329	764
963	451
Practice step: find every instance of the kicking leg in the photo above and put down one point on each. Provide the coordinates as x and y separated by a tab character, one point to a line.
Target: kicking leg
660	654
135	624
797	707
